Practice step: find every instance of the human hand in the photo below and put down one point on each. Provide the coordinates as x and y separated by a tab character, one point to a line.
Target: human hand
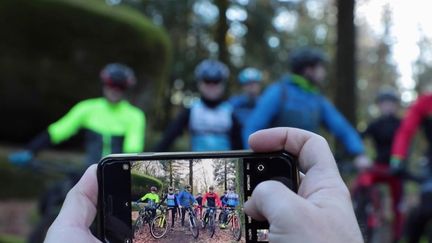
322	210
21	158
78	212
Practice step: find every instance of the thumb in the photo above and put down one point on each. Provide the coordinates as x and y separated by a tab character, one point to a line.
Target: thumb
262	206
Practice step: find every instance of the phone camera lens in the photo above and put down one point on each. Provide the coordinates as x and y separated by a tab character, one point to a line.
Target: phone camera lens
125	166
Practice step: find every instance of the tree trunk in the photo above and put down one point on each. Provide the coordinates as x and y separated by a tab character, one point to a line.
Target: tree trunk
191	174
171	173
225	175
345	93
222	28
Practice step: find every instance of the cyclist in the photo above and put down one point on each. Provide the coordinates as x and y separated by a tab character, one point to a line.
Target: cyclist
199	200
250	80
172	203
186	199
231	201
295	101
210	120
212	200
419	114
152	199
111	124
382	132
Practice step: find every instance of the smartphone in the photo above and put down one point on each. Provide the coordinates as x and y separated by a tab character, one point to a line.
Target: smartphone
155	197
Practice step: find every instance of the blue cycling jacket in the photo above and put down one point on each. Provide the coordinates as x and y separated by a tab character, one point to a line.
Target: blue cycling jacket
185	198
293	102
243	106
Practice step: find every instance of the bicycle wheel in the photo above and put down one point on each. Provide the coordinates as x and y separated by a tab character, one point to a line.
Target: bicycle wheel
193	226
158	227
236	227
211	225
138	225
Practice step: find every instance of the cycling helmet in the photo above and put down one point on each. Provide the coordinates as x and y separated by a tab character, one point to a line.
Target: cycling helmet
153	189
170	188
387	95
118	75
211	188
249	75
305	57
211	70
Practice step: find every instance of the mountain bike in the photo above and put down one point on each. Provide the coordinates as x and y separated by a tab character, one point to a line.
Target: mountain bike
209	221
51	201
234	222
193	222
145	216
159	225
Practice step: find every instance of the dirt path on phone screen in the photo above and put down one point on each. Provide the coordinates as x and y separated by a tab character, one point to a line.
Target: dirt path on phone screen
180	234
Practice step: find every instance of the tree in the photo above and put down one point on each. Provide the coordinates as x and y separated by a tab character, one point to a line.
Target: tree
224	172
345	93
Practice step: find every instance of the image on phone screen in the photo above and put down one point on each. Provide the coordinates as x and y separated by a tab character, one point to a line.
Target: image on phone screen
195	200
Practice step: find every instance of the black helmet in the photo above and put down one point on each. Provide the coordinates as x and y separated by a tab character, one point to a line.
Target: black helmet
305	57
387	95
118	75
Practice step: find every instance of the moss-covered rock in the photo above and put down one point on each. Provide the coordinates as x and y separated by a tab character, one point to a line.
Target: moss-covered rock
51	52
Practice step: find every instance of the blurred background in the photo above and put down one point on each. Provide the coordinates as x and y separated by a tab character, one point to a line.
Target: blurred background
51	53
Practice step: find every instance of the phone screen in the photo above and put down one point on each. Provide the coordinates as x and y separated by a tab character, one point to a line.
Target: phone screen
196	199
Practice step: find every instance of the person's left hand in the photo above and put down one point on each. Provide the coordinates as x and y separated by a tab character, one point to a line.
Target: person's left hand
78	212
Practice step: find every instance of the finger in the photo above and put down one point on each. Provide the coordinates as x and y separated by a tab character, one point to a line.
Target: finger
310	148
262	206
79	208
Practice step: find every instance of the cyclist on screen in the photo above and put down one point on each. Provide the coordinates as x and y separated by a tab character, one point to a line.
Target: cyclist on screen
382	131
210	120
199	199
152	198
295	101
111	124
231	201
250	80
212	200
186	199
172	203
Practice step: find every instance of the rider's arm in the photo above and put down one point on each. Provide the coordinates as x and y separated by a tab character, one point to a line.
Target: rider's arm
135	134
218	201
235	134
174	130
157	199
340	128
263	114
409	126
70	123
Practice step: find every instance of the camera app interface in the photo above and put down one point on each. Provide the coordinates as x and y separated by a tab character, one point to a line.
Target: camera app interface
196	200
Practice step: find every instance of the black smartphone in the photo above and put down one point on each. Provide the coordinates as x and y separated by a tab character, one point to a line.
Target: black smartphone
185	197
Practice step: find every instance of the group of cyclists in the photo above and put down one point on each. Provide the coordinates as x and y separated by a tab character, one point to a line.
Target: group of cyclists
113	125
179	202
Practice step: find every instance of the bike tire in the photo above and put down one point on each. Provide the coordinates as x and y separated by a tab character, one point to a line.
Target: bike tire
138	225
159	227
236	227
211	226
193	226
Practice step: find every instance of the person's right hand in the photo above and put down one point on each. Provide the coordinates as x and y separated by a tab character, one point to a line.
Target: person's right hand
322	210
21	158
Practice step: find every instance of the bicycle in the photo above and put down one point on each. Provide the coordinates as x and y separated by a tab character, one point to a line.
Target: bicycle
209	221
235	223
193	222
145	216
159	225
50	202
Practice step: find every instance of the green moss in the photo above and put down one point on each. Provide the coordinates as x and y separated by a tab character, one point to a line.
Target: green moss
141	184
